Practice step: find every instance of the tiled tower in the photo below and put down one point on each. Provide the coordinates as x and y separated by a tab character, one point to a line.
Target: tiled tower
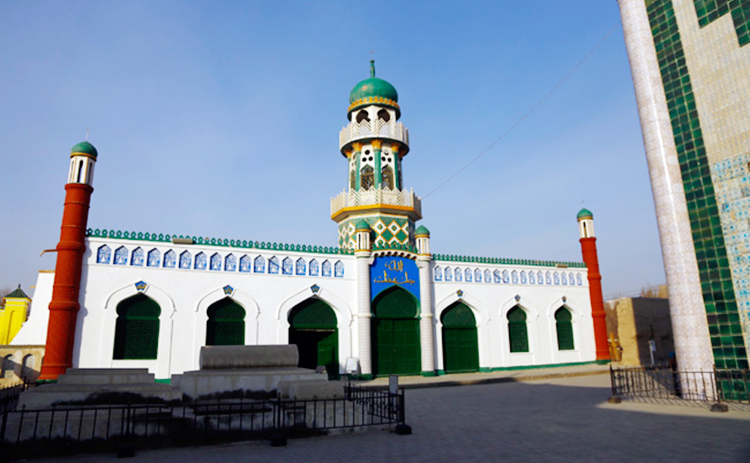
591	258
63	308
690	61
375	143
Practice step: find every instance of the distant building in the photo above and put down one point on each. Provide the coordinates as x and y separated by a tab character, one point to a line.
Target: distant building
690	61
13	314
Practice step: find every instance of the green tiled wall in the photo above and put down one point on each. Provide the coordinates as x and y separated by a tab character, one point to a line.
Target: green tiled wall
715	275
710	10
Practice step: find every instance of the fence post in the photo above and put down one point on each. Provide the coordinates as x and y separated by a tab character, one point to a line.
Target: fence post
278	438
719	406
614	398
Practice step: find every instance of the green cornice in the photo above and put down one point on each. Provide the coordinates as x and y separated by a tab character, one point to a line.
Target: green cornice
244	244
506	261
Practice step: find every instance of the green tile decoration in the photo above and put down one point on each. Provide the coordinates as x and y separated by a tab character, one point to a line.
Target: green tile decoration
716	279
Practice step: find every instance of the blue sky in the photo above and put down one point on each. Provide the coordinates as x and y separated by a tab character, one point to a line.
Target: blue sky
221	119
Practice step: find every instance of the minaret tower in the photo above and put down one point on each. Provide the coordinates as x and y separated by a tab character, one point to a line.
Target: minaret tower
375	143
63	308
590	257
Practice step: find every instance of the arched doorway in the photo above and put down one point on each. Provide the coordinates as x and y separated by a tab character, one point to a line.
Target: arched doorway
563	320
517	333
226	324
460	347
313	327
395	333
137	329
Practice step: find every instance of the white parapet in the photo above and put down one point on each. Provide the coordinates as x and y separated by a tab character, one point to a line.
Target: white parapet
376	196
377	128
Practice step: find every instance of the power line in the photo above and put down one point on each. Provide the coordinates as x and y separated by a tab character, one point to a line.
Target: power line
526	115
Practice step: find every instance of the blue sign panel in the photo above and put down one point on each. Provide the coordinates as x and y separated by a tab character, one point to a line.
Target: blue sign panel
394	271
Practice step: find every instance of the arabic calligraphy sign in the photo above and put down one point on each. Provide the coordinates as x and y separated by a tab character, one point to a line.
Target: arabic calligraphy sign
386	272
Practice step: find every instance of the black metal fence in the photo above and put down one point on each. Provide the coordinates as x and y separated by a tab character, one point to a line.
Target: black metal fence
66	429
664	382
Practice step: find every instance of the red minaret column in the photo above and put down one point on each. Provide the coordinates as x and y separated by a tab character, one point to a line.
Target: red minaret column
590	257
63	309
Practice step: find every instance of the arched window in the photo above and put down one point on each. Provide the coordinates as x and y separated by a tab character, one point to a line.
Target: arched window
517	333
506	277
352	179
548	278
387	177
246	263
563	319
338	269
477	275
230	263
564	278
497	277
103	254
540	277
514	277
487	276
9	366
121	256
523	277
579	280
457	274
448	274
154	258
467	275
438	273
367	177
300	267
314	268
27	371
137	329
383	115
215	262
185	259
138	257
260	265
201	261
170	259
571	278
532	278
363	116
273	265
326	268
287	267
556	278
226	324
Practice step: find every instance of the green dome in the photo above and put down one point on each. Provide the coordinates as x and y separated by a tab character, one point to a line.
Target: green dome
373	91
585	214
85	148
361	224
422	230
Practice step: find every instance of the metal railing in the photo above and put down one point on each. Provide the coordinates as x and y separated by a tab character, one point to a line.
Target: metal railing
665	382
77	428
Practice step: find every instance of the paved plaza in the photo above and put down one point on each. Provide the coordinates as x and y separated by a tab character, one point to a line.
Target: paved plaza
557	419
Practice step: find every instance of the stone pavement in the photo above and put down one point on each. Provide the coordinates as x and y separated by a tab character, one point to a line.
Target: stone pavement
555	419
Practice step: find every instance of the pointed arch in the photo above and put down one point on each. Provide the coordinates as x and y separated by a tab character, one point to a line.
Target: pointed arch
395	333
225	325
137	329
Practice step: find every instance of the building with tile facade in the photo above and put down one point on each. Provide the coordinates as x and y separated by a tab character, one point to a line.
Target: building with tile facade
690	61
379	303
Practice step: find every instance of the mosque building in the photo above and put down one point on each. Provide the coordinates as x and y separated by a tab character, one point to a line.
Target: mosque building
379	303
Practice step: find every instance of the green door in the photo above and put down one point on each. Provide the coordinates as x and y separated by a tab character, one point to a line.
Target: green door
226	324
313	329
460	347
395	334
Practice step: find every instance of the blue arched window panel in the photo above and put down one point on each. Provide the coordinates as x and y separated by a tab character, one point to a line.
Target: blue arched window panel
300	267
457	274
467	275
230	263
170	259
103	254
532	278
137	257
121	256
523	277
246	263
571	279
185	259
201	262
487	276
564	278
259	265
556	277
506	277
514	277
314	268
326	268
215	262
540	277
154	258
477	275
273	265
338	269
287	266
579	280
448	274
438	274
497	276
548	278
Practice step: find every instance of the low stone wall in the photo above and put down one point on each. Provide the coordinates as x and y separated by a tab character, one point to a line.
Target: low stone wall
20	363
248	357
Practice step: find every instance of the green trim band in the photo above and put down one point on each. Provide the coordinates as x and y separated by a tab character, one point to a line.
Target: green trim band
506	261
428	374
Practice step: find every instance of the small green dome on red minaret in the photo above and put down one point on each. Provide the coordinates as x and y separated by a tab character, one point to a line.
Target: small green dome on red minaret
84	148
585	214
373	91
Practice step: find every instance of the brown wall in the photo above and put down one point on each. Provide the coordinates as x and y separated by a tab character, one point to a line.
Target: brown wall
635	321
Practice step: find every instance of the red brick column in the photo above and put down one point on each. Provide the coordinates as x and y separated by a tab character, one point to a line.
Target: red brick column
588	248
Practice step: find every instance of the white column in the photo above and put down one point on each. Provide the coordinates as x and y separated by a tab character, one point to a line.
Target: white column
687	309
364	313
426	325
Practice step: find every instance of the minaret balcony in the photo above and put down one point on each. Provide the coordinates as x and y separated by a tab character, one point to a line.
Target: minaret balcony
378	128
354	202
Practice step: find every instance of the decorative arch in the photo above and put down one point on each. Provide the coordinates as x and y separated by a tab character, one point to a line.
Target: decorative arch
137	257
215	262
225	324
137	329
518	331
244	300
9	366
459	338
564	328
313	328
481	316
395	333
103	254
